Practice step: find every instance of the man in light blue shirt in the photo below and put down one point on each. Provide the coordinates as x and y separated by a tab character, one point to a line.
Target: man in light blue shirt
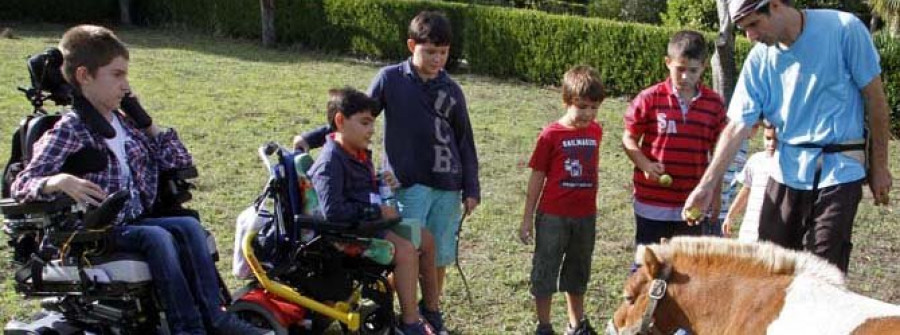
815	76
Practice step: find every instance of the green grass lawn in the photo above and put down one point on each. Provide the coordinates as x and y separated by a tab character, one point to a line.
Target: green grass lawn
227	97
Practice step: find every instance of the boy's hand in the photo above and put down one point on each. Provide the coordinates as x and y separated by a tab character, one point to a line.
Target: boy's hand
526	231
469	205
654	170
389	212
726	227
80	190
390	179
300	144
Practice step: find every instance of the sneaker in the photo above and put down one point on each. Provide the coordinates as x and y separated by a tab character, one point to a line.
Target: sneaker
584	328
434	318
229	324
544	329
418	328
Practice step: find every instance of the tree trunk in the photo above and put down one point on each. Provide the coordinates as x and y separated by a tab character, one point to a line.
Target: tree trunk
267	14
874	23
125	12
724	71
894	26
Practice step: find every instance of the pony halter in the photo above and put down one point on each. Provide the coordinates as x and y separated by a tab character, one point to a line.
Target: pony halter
655	293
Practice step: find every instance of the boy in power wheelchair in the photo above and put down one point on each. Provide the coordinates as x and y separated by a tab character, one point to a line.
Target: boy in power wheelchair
347	187
106	123
331	262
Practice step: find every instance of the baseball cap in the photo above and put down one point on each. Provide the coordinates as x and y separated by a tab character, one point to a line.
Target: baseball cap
738	9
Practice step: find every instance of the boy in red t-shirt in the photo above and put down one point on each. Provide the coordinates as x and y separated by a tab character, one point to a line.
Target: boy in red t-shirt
564	166
670	131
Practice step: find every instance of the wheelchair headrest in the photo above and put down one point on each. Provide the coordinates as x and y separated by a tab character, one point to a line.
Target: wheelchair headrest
45	70
106	213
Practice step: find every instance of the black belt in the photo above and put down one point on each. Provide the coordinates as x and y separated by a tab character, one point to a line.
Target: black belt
828	149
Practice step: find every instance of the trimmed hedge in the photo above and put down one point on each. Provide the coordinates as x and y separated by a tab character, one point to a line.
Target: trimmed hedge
889	48
59	10
528	45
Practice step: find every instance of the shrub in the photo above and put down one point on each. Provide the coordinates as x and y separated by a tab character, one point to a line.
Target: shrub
889	48
695	14
529	45
82	11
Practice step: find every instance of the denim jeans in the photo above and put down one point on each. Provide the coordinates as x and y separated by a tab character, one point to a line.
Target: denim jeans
183	270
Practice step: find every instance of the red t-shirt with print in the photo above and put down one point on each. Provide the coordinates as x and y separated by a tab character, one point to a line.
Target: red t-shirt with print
569	157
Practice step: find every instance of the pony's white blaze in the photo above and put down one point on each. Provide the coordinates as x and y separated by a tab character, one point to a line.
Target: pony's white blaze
813	306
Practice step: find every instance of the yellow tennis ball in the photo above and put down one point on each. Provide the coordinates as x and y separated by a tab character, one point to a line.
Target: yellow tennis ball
693	214
665	180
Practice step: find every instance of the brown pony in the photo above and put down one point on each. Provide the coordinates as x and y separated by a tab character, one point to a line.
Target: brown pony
718	286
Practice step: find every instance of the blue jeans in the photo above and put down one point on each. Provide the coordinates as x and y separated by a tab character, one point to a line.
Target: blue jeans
175	249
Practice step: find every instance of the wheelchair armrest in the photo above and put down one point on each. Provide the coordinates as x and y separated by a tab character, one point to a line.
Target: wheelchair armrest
366	228
9	207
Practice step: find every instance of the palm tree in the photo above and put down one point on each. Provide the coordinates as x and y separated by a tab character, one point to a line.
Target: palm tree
889	10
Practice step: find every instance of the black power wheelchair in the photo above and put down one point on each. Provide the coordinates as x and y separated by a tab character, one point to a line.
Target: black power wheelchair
307	272
61	249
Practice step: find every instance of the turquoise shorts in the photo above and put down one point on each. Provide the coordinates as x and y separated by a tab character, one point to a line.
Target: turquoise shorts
439	211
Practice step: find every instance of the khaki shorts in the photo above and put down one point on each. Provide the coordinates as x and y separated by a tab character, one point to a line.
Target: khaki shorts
562	254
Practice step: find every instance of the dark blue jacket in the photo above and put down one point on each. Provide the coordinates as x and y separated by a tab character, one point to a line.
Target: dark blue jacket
427	134
345	185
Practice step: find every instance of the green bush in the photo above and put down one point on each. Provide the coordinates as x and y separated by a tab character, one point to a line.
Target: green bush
695	14
239	18
889	48
529	45
67	11
539	47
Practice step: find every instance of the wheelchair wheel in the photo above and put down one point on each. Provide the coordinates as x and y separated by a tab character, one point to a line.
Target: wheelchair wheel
257	316
376	319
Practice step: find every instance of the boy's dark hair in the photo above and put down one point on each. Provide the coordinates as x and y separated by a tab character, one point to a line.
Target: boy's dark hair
582	81
89	46
687	44
430	27
349	101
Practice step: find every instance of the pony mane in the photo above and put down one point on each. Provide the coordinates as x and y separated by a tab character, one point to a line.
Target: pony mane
771	258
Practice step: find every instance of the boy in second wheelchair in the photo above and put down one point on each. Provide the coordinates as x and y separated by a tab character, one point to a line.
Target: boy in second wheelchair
345	180
95	63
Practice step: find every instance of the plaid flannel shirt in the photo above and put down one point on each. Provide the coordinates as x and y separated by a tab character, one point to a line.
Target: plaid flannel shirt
147	156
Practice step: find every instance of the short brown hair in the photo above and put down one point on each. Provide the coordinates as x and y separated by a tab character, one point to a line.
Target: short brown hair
582	81
348	101
687	44
89	46
430	27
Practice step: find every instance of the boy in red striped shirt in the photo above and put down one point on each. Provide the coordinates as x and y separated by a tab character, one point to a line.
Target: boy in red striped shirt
670	131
